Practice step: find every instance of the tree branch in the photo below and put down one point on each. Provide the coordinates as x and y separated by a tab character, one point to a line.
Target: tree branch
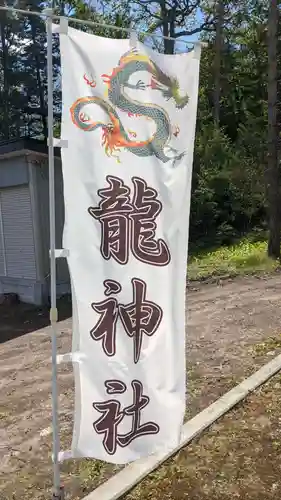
203	27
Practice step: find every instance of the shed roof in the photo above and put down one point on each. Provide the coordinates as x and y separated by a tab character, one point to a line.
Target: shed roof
16	147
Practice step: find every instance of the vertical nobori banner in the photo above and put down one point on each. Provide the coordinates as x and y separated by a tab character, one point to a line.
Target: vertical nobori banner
129	117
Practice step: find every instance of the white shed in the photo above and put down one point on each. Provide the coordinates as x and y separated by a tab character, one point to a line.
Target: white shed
24	221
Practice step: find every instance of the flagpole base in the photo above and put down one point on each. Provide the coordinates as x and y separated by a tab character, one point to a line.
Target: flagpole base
60	495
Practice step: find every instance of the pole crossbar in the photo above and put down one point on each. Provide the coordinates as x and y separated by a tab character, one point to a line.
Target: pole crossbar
102	25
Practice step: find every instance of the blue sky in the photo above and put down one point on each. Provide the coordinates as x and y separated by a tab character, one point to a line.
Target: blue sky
198	21
179	46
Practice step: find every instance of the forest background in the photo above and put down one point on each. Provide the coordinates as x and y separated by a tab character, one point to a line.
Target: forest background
236	173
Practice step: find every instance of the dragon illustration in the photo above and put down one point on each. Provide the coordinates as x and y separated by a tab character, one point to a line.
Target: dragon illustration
114	135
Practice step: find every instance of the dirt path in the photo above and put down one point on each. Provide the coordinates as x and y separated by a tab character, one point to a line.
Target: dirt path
225	321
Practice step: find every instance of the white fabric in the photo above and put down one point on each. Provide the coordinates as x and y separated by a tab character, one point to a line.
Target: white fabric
161	364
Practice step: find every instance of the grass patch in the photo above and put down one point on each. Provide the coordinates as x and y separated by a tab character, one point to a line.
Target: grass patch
269	345
247	257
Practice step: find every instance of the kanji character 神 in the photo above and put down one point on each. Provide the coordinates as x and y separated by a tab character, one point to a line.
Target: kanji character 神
139	317
112	416
129	224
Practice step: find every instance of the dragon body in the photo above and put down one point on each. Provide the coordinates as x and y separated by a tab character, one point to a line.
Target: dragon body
114	135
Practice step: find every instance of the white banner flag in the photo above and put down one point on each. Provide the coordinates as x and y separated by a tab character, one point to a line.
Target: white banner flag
129	118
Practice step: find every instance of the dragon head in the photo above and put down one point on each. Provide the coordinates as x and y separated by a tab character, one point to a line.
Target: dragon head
169	87
171	90
180	100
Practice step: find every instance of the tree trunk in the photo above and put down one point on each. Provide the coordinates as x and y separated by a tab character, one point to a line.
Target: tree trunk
272	172
169	45
62	8
168	28
217	60
5	69
43	110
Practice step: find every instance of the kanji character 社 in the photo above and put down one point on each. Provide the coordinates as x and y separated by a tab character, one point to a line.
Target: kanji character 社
112	416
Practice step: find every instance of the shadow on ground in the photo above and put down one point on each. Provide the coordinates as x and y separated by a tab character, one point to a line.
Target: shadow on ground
18	319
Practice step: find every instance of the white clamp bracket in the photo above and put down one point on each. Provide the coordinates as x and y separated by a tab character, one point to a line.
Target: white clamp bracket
59	143
47	12
60	252
64	455
70	357
63	26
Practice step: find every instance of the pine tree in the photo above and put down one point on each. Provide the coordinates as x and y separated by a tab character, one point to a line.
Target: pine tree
12	96
34	62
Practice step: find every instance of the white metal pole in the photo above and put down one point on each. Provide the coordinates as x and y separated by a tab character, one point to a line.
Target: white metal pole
57	494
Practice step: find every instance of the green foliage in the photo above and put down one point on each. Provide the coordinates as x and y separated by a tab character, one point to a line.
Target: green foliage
23	83
247	257
228	192
10	73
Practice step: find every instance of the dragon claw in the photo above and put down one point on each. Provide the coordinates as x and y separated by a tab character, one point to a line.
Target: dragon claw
140	85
